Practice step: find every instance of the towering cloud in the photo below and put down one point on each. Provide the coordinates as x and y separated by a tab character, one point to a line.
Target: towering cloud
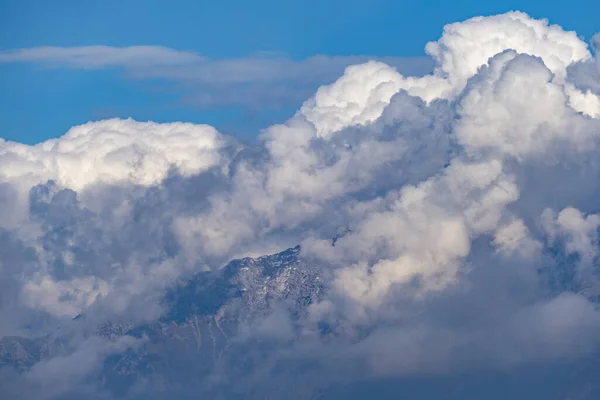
453	218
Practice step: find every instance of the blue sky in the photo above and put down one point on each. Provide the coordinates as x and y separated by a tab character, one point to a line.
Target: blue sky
243	65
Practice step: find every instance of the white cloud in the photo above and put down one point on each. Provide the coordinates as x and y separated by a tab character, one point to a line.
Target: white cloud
95	57
465	46
114	151
365	90
111	152
514	237
64	298
579	232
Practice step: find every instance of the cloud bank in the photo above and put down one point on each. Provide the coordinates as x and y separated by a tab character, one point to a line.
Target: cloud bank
463	206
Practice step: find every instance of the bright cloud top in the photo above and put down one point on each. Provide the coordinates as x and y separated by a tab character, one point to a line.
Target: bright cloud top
114	151
363	92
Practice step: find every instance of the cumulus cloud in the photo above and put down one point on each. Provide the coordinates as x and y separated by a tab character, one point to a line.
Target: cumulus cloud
452	217
113	151
365	90
477	39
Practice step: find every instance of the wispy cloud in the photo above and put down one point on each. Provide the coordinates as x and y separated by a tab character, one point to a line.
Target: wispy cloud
262	80
96	57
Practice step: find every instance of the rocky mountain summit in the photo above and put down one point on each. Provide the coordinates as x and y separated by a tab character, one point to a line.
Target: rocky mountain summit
203	316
